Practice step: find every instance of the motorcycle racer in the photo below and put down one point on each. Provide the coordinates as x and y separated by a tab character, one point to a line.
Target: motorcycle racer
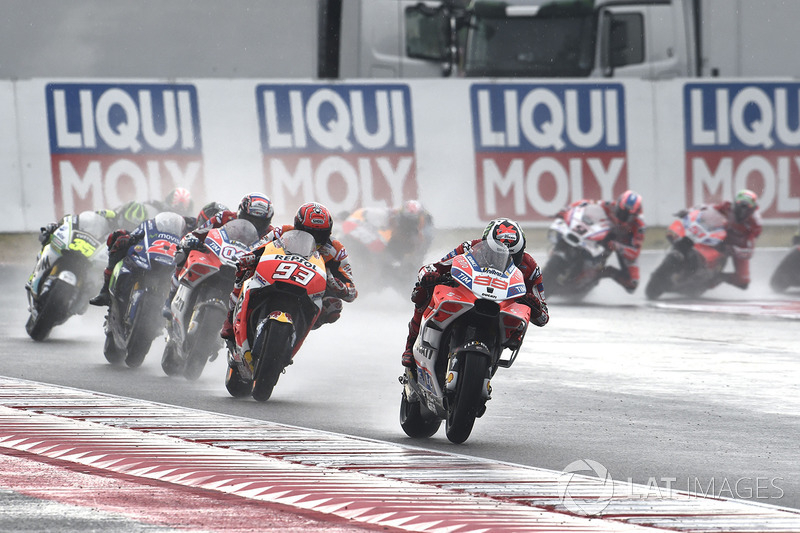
256	208
625	238
504	232
406	232
120	240
313	218
743	228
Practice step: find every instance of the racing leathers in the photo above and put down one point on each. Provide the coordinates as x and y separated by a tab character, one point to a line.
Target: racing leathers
430	274
739	243
340	285
625	240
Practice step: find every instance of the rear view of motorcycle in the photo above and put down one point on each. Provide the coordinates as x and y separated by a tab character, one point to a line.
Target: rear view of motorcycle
469	322
69	270
277	308
201	302
695	259
139	285
579	251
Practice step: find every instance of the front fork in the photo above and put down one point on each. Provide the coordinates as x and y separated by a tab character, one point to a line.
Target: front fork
454	366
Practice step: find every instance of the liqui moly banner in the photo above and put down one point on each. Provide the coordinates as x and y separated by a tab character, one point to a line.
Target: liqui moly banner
344	145
540	147
744	135
111	143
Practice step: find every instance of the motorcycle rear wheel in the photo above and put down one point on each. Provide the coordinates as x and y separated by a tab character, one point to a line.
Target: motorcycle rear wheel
467	402
203	341
275	354
414	423
787	274
556	264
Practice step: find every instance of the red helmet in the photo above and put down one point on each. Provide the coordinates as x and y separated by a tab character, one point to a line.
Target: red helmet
744	204
628	206
315	219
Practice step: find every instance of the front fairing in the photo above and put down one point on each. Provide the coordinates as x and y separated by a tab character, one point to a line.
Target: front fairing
290	263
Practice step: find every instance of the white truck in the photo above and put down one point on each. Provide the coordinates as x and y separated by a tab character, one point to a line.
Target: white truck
648	39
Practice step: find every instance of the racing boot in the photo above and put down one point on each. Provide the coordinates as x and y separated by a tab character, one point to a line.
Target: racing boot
103	298
413	333
166	311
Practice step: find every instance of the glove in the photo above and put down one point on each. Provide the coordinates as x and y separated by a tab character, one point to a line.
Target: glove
46	231
429	279
339	289
531	301
192	242
245	266
680	214
115	235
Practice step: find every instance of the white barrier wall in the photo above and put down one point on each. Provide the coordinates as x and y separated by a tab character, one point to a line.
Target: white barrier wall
470	150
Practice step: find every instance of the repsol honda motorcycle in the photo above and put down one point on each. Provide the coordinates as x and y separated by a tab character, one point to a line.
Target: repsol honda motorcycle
787	274
470	320
696	257
138	287
68	271
277	308
201	301
579	251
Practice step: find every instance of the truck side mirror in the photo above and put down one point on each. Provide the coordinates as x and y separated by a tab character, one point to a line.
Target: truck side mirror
427	33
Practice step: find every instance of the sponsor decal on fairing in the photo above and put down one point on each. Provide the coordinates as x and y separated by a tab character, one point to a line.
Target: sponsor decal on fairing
539	147
743	135
111	143
345	145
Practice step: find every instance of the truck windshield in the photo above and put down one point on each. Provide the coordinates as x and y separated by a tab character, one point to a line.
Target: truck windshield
530	46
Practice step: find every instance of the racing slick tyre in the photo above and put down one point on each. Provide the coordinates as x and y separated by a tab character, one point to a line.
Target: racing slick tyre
414	423
170	363
274	355
237	386
660	280
146	325
51	311
468	402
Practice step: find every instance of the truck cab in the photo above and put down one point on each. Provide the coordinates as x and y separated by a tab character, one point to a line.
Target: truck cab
556	38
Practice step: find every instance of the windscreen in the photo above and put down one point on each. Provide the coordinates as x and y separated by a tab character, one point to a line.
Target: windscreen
488	257
298	243
241	231
530	46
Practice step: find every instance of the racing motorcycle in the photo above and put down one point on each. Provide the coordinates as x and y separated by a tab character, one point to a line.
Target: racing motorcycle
578	252
68	271
276	309
387	256
138	287
695	259
471	318
201	301
787	274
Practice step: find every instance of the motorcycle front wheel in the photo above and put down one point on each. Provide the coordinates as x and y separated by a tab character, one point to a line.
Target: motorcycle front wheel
202	341
53	307
660	280
274	355
465	405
